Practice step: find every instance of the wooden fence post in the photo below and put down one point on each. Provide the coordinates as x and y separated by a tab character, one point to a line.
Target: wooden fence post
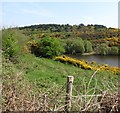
68	93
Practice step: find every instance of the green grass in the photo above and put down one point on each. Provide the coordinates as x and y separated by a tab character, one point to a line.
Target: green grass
46	72
47	76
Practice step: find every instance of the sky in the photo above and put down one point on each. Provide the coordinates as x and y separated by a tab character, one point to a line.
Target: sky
31	13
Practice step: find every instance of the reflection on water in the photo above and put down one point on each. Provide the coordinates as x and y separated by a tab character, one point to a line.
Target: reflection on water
110	60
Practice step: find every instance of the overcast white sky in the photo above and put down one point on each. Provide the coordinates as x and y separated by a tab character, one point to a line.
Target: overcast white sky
30	13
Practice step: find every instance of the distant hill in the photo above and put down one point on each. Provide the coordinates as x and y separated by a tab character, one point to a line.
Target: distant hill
66	31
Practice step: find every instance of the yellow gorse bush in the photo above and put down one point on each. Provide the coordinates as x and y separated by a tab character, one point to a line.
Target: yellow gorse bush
80	63
25	49
114	41
33	43
86	65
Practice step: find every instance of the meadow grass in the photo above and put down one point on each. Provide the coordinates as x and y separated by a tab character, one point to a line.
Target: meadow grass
46	72
33	78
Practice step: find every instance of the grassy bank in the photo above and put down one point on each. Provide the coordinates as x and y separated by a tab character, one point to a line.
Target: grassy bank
32	83
48	72
33	77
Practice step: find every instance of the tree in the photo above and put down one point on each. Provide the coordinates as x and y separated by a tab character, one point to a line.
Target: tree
50	47
88	46
78	46
103	49
68	46
114	50
10	44
74	46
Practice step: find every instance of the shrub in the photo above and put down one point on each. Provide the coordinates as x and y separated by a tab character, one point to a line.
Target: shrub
78	46
9	44
114	50
87	66
80	63
50	47
88	46
33	47
103	49
68	47
74	46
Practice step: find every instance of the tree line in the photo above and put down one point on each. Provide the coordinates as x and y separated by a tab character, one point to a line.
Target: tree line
14	42
89	31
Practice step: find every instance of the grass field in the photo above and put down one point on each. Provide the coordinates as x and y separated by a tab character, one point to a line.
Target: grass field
32	78
48	72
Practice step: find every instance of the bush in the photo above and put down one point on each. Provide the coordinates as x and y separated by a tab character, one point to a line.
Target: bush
75	46
50	47
88	46
114	50
78	46
9	44
68	47
103	49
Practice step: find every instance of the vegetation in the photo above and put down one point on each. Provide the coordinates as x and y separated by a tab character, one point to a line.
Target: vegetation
75	46
13	43
114	50
25	85
10	44
67	31
92	35
88	46
50	47
37	81
104	49
86	65
47	47
114	41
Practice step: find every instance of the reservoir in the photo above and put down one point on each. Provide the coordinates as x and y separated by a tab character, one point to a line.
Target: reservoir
110	60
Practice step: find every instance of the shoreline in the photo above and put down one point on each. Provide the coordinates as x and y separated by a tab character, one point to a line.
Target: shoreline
91	53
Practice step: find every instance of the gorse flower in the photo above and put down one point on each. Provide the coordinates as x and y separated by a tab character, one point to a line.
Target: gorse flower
86	65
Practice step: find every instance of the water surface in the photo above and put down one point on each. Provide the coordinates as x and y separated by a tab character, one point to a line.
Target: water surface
110	60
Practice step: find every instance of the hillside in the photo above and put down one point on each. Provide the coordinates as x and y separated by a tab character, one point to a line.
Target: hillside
33	77
34	80
69	31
